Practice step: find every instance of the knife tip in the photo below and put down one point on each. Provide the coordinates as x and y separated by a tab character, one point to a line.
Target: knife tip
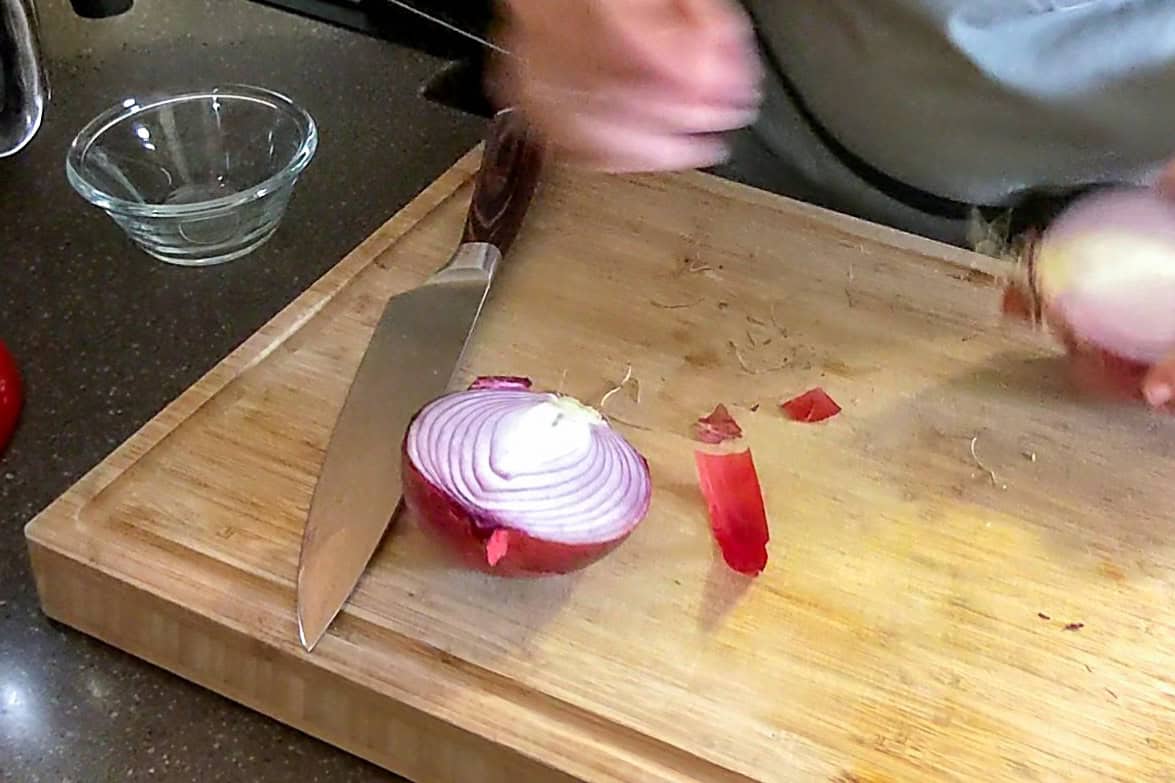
307	644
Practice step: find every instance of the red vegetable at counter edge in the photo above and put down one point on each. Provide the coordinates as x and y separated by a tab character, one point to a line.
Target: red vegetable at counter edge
812	406
734	499
11	395
718	427
522	483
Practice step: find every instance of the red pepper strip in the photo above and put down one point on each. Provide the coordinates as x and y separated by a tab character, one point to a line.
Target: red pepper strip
719	426
811	406
11	395
497	546
501	382
738	519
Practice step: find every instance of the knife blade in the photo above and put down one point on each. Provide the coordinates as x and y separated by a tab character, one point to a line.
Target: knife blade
413	354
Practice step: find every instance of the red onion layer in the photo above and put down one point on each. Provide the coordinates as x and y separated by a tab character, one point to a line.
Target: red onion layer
552	473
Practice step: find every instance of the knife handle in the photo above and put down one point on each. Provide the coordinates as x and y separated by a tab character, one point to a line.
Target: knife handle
506	181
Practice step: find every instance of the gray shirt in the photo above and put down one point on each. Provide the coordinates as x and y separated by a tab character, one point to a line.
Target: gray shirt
968	101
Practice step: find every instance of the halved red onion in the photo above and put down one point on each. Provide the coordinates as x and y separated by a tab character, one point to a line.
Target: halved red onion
1102	276
1106	268
523	482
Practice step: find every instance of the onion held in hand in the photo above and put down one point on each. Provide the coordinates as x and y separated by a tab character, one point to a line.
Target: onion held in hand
1103	277
522	483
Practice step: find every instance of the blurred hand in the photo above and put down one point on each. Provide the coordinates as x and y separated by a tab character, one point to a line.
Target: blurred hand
1158	383
1095	369
631	85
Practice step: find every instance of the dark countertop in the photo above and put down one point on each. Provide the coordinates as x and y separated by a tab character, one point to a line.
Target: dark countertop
107	336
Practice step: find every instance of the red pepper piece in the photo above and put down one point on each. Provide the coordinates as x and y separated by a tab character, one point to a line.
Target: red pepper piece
501	382
497	546
734	498
811	406
719	426
11	395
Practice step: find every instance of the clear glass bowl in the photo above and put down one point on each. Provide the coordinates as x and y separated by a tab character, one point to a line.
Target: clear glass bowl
198	178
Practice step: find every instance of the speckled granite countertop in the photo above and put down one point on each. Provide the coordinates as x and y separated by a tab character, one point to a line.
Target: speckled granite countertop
107	336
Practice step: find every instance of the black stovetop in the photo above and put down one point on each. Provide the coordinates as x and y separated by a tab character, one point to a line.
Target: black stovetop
459	84
384	19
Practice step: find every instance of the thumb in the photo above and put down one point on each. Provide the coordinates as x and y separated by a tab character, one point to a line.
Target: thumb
1159	384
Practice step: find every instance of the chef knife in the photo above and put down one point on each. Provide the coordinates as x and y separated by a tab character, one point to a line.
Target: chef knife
413	354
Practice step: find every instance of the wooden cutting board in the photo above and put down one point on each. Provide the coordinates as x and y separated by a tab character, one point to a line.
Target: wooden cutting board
929	545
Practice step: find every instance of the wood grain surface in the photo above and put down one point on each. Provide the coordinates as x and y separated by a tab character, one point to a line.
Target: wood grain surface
933	547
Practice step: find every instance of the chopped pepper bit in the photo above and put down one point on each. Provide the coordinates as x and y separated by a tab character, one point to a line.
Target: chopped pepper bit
718	427
497	545
734	499
812	406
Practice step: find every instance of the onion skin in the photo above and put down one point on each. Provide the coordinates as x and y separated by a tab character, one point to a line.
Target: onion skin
1102	278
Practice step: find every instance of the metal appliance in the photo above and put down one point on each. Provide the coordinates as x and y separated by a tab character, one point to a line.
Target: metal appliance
24	86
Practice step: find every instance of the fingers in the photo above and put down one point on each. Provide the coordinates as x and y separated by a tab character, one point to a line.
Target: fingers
705	59
1158	387
632	85
632	130
644	109
617	147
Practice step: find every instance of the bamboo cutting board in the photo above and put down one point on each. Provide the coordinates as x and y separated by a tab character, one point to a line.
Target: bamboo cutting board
933	550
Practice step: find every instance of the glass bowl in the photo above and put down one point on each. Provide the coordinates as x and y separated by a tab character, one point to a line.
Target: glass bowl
198	178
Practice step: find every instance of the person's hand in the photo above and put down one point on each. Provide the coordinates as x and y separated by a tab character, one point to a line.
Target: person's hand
1094	368
630	85
1158	384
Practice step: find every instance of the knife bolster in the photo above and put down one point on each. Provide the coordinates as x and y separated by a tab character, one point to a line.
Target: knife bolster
472	260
